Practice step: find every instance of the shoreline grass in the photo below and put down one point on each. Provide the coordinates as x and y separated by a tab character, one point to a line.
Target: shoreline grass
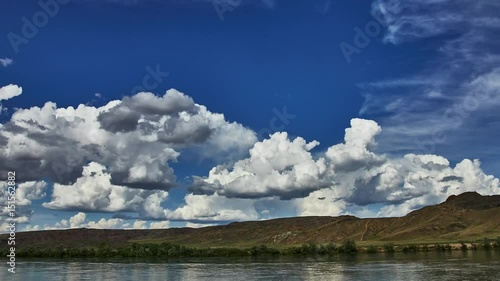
134	250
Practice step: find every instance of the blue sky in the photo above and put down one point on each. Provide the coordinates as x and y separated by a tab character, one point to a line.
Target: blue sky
421	79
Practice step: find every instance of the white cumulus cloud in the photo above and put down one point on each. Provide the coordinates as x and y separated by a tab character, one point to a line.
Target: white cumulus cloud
135	139
10	91
94	192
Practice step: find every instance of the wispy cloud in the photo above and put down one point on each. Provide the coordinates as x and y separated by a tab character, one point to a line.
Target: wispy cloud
427	18
6	62
447	104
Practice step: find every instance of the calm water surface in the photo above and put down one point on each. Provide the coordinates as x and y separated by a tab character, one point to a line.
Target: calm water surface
477	265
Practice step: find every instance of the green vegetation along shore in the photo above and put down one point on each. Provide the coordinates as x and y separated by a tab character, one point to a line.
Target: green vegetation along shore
134	250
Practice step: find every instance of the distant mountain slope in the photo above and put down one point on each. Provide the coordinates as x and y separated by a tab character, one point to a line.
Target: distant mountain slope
466	216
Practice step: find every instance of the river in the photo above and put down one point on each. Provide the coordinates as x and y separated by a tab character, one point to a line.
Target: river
423	266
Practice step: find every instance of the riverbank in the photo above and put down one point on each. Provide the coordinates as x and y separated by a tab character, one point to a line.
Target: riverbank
171	250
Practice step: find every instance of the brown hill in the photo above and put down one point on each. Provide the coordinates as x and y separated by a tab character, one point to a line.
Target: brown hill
463	217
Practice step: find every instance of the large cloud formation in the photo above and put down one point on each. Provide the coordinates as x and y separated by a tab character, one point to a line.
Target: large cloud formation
113	158
276	167
134	139
117	158
349	175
